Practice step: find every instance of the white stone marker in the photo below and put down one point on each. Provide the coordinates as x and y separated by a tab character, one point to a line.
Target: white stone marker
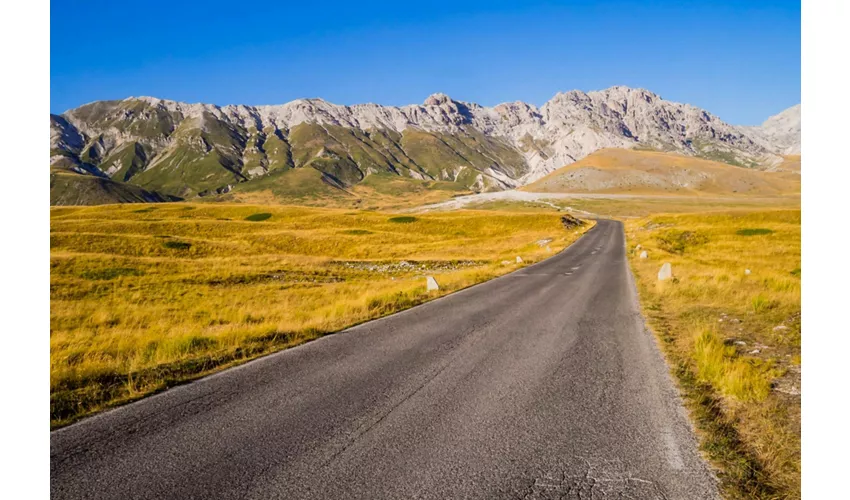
431	283
666	272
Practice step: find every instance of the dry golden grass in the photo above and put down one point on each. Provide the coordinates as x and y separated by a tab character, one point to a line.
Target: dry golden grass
146	296
629	171
791	162
732	338
377	192
629	206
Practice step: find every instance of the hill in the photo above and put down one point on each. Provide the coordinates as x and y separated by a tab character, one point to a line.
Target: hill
71	188
651	172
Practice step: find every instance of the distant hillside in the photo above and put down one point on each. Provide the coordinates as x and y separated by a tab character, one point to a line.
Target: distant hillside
175	149
649	172
780	133
70	188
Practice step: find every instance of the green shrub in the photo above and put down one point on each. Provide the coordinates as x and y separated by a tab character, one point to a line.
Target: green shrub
404	219
758	231
177	245
259	217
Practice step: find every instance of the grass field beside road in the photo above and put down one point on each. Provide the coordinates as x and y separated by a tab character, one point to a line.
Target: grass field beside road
145	296
729	323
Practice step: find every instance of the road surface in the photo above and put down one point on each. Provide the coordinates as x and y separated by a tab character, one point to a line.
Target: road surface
543	383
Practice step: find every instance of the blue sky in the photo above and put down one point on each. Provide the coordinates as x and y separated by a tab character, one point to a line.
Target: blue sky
739	60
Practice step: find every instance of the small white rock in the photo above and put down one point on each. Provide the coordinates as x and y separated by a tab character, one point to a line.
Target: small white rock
638	247
431	283
506	262
740	342
755	351
780	328
518	259
643	255
666	272
747	272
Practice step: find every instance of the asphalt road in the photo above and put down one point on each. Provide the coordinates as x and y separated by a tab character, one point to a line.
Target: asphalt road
543	383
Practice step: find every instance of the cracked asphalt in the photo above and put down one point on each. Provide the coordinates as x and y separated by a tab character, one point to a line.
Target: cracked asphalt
543	383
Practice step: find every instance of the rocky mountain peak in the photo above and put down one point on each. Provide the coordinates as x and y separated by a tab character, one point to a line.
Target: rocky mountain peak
781	133
437	99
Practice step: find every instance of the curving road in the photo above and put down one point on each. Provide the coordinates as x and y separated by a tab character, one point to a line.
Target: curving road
543	383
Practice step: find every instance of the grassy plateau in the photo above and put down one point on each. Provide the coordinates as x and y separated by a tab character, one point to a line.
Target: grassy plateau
143	297
629	171
729	324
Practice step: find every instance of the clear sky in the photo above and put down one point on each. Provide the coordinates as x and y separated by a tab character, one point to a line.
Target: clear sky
739	60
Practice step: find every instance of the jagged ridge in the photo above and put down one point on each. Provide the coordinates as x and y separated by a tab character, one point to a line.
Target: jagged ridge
185	150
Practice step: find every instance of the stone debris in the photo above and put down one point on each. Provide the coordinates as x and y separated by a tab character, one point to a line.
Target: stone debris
638	247
780	328
570	222
644	255
544	242
666	272
431	283
755	351
747	272
409	266
518	259
506	262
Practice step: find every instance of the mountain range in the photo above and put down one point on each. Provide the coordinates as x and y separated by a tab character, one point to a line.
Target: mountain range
149	149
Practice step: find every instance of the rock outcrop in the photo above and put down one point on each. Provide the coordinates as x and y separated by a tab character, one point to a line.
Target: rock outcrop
780	133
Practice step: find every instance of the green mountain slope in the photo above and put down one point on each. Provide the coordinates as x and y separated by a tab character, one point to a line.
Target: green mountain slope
167	153
70	188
